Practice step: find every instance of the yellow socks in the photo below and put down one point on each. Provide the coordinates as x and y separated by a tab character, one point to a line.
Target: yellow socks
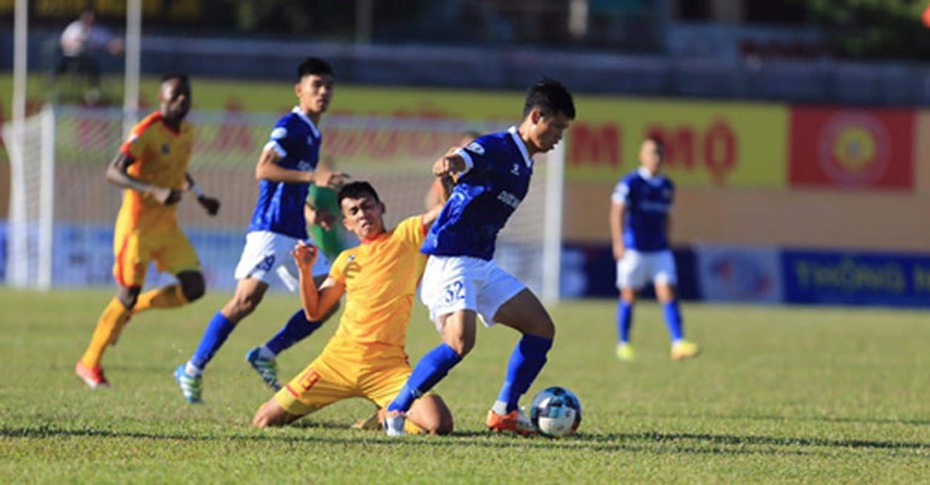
166	297
114	317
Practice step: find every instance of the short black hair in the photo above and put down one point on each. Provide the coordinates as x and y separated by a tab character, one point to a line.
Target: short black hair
551	97
659	142
357	190
180	76
314	65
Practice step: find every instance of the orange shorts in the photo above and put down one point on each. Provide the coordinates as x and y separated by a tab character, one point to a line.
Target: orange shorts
329	379
134	249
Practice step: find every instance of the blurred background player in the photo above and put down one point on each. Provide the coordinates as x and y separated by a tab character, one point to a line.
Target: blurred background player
285	169
328	234
442	186
80	42
462	280
147	227
639	228
365	357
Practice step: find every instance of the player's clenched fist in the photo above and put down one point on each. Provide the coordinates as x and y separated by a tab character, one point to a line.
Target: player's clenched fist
305	255
211	204
448	165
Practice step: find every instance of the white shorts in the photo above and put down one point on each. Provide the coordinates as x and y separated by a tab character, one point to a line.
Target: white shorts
636	269
453	283
266	253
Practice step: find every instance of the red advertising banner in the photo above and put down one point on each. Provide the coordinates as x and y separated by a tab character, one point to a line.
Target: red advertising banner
851	149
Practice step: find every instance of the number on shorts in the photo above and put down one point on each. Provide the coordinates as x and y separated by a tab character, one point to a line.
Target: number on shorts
453	292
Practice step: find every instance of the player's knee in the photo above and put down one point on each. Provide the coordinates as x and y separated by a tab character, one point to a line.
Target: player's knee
240	307
193	290
192	285
129	296
461	344
444	426
547	329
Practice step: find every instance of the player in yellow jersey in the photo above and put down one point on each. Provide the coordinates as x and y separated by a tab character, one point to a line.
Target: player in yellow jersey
365	357
151	167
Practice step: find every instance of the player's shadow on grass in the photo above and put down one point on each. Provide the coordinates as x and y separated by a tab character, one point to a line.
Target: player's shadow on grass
742	441
651	442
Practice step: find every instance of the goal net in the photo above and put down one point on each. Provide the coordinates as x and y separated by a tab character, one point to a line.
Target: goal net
62	208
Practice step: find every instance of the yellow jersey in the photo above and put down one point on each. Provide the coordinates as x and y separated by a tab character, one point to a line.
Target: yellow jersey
161	157
380	277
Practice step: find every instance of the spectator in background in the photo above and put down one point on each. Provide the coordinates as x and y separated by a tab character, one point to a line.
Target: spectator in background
79	43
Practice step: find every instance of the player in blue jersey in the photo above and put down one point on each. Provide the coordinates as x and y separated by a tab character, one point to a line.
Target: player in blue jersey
286	168
639	222
462	282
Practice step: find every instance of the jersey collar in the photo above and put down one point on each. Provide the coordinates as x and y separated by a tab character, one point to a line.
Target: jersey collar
522	146
648	177
300	114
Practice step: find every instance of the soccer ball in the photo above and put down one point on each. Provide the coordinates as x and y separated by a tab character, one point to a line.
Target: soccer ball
556	412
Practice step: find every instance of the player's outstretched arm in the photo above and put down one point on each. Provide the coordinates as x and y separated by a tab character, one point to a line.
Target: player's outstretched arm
211	204
316	301
118	174
268	169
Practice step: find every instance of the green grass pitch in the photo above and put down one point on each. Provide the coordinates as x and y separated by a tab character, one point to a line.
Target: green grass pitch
797	395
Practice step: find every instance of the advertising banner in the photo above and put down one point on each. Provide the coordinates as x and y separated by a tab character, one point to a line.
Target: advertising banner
838	278
852	149
707	144
589	271
739	274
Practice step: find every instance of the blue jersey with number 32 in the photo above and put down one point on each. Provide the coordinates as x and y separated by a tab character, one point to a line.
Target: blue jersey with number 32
497	178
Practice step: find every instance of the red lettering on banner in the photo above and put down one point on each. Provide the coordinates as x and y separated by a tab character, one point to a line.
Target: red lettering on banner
387	145
717	150
595	145
679	145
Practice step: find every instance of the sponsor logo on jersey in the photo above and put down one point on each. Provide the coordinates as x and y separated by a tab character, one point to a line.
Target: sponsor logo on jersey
509	199
654	206
475	147
515	169
278	133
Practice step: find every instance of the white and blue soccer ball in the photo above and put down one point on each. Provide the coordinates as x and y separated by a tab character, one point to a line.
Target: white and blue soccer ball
556	412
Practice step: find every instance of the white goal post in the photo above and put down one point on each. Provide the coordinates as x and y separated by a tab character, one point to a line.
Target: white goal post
62	209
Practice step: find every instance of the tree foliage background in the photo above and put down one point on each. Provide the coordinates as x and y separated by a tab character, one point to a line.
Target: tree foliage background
873	29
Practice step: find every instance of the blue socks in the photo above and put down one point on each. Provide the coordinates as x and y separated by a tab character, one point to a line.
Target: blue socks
428	372
624	320
673	320
295	330
526	362
213	337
